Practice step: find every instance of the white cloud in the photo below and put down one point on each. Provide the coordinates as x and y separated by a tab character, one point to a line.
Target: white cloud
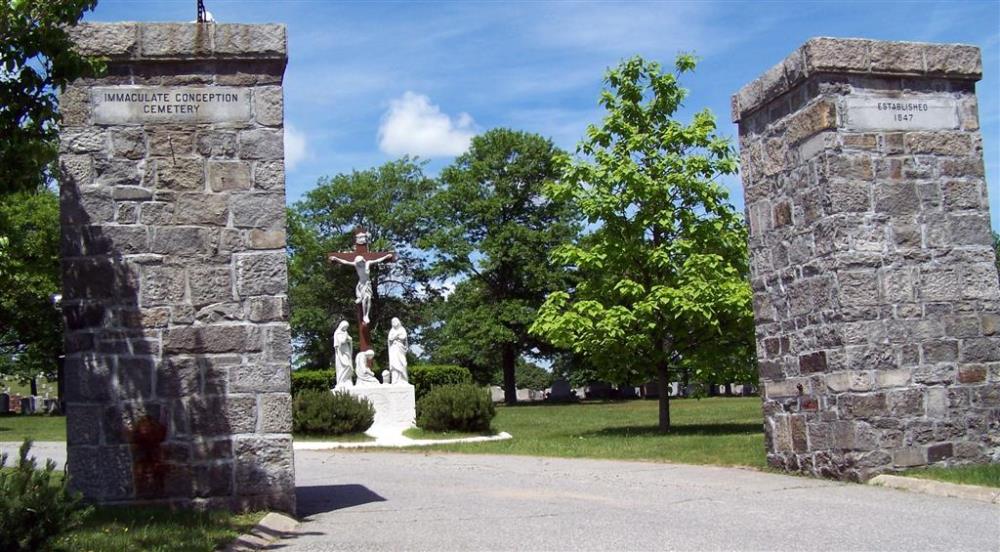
415	126
296	147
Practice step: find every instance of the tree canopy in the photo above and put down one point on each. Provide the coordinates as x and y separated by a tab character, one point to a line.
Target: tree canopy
491	226
30	327
387	201
663	267
36	62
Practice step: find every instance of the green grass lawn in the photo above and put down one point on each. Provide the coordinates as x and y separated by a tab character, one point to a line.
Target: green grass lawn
157	529
985	475
38	427
348	438
724	431
417	433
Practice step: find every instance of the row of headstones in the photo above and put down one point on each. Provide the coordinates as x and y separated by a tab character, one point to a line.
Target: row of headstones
16	404
562	391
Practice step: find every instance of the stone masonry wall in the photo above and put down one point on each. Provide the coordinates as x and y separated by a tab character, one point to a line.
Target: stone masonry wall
174	275
876	297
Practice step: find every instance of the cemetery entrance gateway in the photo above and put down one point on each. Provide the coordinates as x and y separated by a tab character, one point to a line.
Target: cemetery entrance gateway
876	299
174	277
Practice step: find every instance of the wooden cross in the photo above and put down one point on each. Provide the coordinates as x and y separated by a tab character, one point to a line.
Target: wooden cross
362	259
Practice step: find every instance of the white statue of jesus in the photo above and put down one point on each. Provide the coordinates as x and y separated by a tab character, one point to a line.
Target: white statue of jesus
342	353
363	291
398	345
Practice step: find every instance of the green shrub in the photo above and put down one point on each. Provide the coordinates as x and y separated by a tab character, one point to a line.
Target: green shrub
425	377
463	407
326	413
35	506
317	380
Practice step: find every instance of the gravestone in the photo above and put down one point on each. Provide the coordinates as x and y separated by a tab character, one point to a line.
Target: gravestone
29	404
561	391
876	299
174	275
4	403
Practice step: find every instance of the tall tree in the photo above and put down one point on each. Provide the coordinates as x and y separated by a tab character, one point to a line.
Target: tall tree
36	61
30	327
492	225
664	266
388	202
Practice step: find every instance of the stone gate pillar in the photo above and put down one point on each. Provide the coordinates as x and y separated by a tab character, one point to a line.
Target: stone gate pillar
174	278
876	297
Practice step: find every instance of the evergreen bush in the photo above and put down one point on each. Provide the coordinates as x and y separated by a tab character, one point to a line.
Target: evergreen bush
36	506
317	380
425	377
462	407
326	413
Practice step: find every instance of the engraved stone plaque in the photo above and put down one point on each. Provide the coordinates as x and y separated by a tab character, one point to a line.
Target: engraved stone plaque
123	105
906	113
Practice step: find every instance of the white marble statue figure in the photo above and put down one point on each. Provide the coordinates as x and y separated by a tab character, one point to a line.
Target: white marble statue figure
342	353
363	291
364	373
398	346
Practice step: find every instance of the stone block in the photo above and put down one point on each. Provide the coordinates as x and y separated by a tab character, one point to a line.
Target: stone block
837	55
263	144
268	106
256	210
209	339
163	285
275	413
181	240
223	415
176	40
908	457
954	59
169	142
216	144
896	57
863	405
267	239
201	209
225	176
267	309
186	174
269	175
129	143
260	273
210	284
105	39
256	40
263	465
259	377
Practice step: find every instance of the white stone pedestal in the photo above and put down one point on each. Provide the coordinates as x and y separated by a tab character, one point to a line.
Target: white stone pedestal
395	406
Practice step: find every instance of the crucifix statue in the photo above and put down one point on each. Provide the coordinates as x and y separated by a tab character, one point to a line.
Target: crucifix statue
362	260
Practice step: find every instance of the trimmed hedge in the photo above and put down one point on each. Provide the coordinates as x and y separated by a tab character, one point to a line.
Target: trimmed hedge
326	413
316	380
463	407
425	377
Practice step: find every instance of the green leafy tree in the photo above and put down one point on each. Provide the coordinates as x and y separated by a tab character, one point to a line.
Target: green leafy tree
529	376
36	61
664	266
492	225
30	327
387	201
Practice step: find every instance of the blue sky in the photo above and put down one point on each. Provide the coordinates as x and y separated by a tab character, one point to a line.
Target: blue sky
367	81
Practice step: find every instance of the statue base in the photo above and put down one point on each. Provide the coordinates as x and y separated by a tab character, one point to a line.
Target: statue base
395	406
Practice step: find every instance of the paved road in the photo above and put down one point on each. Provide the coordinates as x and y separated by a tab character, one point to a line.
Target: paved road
442	502
402	501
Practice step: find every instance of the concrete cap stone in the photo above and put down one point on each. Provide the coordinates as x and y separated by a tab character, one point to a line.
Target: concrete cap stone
131	41
860	57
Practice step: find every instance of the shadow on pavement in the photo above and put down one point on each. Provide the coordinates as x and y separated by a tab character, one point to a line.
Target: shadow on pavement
327	498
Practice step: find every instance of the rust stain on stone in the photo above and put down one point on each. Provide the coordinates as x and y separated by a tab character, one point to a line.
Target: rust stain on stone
148	469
